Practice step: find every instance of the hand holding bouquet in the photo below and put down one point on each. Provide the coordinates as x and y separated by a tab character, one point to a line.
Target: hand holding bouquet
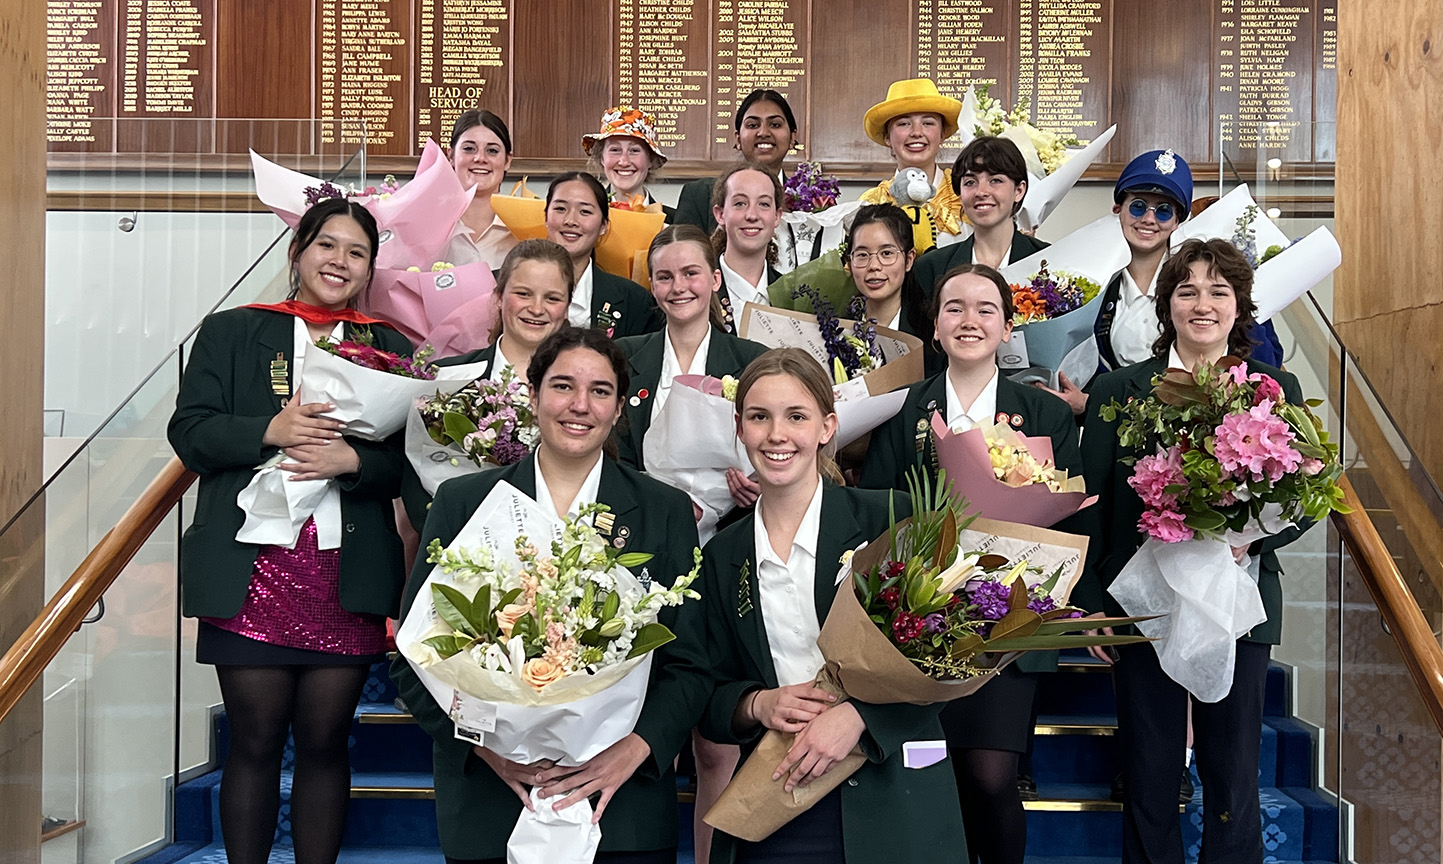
1226	460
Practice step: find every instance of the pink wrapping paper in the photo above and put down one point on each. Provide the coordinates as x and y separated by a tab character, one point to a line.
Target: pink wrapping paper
452	310
969	468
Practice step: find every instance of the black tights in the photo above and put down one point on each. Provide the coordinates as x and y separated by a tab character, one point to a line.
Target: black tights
263	703
991	806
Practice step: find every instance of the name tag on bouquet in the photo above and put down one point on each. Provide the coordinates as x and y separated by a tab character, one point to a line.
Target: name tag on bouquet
473	718
1012	354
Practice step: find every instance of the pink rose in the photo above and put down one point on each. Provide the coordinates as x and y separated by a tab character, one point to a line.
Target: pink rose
1312	467
507	617
1165	525
538	672
1267	390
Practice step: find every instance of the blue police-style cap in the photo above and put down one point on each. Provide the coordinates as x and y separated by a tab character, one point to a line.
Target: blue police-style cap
1162	172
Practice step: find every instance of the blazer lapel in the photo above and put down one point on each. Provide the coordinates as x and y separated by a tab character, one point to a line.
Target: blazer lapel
929	399
606	301
748	604
839	532
275	343
645	376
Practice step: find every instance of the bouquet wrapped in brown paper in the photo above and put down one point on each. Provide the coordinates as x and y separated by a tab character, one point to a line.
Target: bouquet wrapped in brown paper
932	611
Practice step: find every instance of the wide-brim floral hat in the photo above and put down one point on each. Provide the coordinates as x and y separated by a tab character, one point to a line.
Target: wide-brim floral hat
629	123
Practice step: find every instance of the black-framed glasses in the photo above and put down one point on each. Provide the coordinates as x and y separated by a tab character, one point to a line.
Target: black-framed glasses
1137	208
886	256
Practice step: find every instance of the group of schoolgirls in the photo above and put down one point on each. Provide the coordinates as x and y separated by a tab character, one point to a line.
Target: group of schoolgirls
293	631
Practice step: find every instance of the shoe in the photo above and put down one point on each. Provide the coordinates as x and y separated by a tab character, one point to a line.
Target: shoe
1118	792
1026	787
401	705
1185	791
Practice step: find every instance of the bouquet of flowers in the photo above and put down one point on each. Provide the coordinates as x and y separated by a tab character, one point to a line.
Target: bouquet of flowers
692	441
1007	476
929	612
1052	325
1226	460
483	425
372	391
852	354
1055	160
451	309
808	190
535	636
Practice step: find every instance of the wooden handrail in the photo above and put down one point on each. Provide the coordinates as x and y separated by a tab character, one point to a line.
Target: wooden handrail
1420	649
25	660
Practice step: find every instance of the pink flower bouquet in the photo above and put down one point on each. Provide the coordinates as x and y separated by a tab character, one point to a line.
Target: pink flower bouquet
1006	476
451	309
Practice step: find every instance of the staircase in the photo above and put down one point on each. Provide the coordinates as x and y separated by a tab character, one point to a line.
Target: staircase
392	818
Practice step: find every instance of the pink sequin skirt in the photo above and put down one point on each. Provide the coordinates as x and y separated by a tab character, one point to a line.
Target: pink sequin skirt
294	601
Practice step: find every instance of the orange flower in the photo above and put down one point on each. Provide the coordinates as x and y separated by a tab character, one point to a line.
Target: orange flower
506	617
1027	304
538	672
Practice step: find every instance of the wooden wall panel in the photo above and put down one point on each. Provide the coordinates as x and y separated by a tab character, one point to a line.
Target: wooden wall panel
562	75
1159	95
248	35
849	75
22	305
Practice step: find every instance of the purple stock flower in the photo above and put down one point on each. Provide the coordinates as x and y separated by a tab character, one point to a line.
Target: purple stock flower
991	599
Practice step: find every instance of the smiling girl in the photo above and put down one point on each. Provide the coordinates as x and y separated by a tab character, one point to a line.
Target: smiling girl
765	133
747	205
768	582
577	214
626	153
481	154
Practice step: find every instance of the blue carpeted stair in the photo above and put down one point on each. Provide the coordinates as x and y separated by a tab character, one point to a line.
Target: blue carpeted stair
392	817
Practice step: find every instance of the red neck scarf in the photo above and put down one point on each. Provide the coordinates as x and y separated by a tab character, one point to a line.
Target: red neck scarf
315	314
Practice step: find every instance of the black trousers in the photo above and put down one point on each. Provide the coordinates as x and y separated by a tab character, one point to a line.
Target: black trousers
1227	738
660	856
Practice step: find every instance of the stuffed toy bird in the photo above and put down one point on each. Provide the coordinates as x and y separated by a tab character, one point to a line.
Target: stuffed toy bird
912	187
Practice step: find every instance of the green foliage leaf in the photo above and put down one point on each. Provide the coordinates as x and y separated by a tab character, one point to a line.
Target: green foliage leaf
649	638
447	644
947	541
1057	643
453	607
967	646
633	559
457	426
479	614
1016	624
1206	521
610	606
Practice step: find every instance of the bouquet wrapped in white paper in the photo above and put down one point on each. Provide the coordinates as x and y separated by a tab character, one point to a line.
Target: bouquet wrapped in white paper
692	442
533	635
370	402
486	424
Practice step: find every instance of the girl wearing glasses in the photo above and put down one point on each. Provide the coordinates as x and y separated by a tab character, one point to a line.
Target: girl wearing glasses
1151	198
879	255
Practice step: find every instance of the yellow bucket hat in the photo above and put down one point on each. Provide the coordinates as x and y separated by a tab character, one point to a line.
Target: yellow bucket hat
911	96
627	123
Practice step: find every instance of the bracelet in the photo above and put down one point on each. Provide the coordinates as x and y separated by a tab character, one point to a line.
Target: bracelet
751	710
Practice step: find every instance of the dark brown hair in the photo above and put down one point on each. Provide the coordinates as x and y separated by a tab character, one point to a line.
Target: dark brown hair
1004	291
1223	259
481	117
762	95
992	155
309	228
597	190
899	225
673	234
798	364
719	197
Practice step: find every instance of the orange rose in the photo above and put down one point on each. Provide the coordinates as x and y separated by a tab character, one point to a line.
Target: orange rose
539	672
506	617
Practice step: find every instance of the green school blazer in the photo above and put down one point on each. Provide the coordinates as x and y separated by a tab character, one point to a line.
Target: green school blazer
905	442
933	264
224	405
475	810
413	495
1112	521
693	205
727	355
882	792
621	307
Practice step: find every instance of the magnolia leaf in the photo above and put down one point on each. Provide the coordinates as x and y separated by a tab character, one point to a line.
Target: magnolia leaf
1016	624
993	561
1206	521
966	646
947	542
649	638
479	613
1057	643
1017	600
633	559
453	607
447	644
457	426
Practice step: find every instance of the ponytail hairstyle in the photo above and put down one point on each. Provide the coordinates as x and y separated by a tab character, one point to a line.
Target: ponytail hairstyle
719	198
673	234
309	228
532	249
804	368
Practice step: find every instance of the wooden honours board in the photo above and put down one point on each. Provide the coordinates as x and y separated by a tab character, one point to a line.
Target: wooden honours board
1201	76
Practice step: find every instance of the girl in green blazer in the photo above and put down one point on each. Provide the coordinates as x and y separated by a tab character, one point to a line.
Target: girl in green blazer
990	177
1205	308
576	377
767	585
747	205
989	731
685	279
578	212
292	632
533	289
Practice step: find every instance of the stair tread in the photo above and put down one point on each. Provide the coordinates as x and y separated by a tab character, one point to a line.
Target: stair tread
215	854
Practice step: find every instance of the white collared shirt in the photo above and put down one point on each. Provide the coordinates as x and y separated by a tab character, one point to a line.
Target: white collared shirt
671	367
579	312
788	597
590	488
1006	256
501	363
960	418
1173	360
741	292
1134	322
328	512
490	246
